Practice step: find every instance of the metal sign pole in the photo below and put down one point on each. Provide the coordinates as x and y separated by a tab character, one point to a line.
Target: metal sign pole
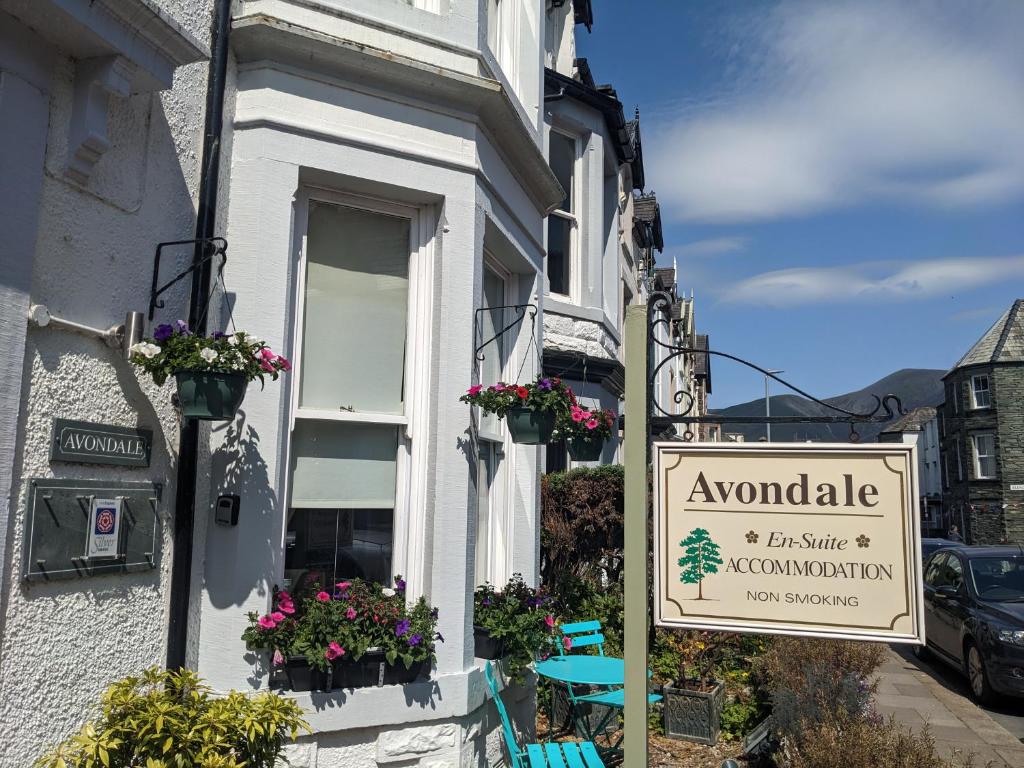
637	442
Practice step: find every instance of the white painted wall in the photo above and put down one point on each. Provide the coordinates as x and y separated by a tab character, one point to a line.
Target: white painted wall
84	250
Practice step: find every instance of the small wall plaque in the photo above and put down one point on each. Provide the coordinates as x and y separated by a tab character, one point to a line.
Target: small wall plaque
88	443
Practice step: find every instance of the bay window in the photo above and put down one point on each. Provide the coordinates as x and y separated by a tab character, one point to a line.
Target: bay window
563	222
350	443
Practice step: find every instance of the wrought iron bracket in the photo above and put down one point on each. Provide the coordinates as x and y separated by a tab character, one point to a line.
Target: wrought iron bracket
521	309
887	407
212	246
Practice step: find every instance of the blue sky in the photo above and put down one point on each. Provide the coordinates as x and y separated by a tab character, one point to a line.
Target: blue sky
842	183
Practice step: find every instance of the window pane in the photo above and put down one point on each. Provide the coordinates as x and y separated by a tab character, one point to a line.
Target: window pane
563	162
493	365
485	482
357	287
337	464
559	254
325	546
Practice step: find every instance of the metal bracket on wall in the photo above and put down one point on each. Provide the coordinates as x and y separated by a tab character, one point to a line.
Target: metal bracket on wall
213	246
521	309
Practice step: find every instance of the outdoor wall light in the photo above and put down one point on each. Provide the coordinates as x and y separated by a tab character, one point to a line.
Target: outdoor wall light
116	336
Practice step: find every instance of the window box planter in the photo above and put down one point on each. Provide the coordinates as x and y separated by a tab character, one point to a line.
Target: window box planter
210	395
585	450
304	677
372	670
530	427
692	713
485	646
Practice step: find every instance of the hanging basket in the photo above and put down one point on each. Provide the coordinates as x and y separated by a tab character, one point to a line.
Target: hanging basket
581	449
210	395
529	427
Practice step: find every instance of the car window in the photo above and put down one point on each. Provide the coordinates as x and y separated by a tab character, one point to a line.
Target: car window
954	572
931	575
998	578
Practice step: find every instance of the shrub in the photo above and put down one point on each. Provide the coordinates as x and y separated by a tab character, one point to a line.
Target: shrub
856	742
518	615
790	662
170	720
582	533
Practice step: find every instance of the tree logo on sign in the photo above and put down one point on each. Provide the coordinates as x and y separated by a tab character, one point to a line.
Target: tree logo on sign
701	557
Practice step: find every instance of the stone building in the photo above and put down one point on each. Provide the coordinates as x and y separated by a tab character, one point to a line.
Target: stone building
920	427
981	429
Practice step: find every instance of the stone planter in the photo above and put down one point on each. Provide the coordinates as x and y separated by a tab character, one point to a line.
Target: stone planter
529	427
581	449
210	395
302	676
485	646
694	715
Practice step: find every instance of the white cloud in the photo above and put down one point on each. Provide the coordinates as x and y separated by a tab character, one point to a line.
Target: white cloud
715	246
840	103
873	281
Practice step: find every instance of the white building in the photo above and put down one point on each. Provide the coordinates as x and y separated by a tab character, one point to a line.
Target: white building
383	177
920	427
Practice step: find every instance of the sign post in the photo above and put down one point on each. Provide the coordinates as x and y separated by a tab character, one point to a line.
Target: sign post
635	519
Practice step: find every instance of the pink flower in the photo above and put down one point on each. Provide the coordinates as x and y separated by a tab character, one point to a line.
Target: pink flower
475	389
266	366
591	424
278	658
282	363
266	622
267	355
284	597
549	620
288	608
351	613
343	585
499	387
567	643
334	651
323	597
277	616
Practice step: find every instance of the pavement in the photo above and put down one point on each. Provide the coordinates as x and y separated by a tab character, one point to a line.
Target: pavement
916	694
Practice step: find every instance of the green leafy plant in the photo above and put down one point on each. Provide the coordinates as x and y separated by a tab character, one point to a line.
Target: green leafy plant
544	394
165	719
174	348
578	423
519	616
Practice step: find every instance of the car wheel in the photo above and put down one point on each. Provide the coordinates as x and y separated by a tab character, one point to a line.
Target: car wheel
921	652
981	690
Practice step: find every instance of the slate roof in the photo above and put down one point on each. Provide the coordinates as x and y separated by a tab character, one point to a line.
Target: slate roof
602	98
664	277
913	421
1002	343
633	132
583	13
702	362
647	212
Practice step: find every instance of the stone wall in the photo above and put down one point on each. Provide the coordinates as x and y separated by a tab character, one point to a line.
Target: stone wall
1008	386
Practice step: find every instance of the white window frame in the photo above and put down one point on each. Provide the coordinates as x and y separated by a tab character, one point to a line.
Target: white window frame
503	37
978	455
575	238
407	547
974	390
500	519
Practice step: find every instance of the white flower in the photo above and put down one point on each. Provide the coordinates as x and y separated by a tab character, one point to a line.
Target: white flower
233	340
388	592
208	355
252	339
145	349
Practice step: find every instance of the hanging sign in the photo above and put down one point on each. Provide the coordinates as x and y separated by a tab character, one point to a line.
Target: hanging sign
104	529
88	443
799	539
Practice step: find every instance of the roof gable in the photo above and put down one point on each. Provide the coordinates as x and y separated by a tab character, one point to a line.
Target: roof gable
1002	343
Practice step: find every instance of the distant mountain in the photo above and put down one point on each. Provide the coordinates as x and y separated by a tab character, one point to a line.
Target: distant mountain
914	386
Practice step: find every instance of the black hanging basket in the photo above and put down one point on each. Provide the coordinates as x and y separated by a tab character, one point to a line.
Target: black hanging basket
581	449
485	646
210	395
530	427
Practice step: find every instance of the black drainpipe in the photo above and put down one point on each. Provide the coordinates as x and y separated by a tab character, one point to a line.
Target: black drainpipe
188	450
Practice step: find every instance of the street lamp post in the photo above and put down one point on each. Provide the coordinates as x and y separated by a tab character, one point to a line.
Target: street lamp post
768	405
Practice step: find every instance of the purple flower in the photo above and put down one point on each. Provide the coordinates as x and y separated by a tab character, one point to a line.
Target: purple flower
163	332
439	637
400	585
545	384
402	627
218	335
415	639
433	613
485	602
181	326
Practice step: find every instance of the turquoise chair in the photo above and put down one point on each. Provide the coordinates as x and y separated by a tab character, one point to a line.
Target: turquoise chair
583	634
551	755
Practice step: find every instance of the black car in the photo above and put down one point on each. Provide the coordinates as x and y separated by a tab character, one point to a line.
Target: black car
930	545
974	615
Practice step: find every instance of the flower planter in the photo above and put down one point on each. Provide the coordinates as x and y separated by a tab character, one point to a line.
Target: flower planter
694	715
210	395
349	673
485	646
529	427
585	450
304	677
397	674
